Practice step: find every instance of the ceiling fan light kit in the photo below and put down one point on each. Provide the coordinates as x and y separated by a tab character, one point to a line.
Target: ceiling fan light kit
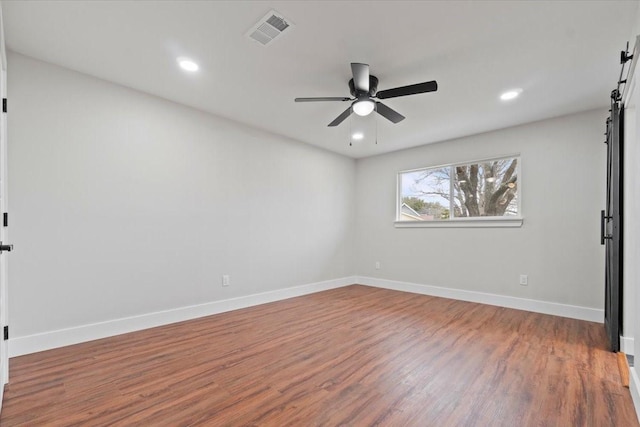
364	89
363	107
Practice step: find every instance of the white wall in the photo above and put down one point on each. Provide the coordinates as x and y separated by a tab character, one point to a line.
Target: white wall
630	245
125	204
631	206
631	220
631	303
562	189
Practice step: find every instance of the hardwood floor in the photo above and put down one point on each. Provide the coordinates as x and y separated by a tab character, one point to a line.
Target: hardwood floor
354	356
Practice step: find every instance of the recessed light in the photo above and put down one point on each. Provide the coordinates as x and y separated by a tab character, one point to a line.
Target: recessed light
512	94
357	136
187	64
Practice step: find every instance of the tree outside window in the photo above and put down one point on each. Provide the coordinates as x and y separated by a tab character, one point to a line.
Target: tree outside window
486	188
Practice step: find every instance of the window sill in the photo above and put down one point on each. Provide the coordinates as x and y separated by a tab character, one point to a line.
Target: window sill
463	223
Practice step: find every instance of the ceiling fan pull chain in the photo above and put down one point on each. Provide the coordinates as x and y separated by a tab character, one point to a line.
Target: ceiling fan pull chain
351	132
376	120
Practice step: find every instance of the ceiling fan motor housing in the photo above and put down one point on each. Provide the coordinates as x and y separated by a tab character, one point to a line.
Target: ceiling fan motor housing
373	87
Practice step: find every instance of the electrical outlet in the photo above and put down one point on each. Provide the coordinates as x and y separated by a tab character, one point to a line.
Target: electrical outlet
377	265
225	280
524	280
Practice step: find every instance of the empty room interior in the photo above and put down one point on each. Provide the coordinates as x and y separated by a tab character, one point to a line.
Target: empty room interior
311	213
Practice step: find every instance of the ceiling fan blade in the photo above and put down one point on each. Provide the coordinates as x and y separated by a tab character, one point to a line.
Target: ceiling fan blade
326	98
346	113
431	86
388	113
360	77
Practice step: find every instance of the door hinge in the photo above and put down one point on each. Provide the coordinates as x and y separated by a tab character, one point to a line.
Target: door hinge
6	332
4	105
5	219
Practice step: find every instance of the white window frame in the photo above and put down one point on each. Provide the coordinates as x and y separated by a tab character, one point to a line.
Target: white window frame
464	222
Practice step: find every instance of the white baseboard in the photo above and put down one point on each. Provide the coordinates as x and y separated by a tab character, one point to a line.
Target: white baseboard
545	307
626	345
634	388
58	338
53	339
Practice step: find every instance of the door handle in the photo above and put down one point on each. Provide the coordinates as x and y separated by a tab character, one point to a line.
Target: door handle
603	219
5	248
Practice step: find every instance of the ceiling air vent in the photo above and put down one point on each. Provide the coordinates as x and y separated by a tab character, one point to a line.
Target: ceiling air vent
269	28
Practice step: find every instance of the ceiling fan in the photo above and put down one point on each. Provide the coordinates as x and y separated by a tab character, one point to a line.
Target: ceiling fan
364	89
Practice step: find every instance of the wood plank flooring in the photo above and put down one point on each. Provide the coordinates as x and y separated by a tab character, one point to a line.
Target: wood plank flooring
354	356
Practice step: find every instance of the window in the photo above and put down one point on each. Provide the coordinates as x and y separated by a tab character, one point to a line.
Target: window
486	189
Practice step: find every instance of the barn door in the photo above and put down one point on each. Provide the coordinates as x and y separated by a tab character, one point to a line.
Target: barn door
611	227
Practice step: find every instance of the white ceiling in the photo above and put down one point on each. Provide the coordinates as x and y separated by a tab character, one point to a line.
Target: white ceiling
564	55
